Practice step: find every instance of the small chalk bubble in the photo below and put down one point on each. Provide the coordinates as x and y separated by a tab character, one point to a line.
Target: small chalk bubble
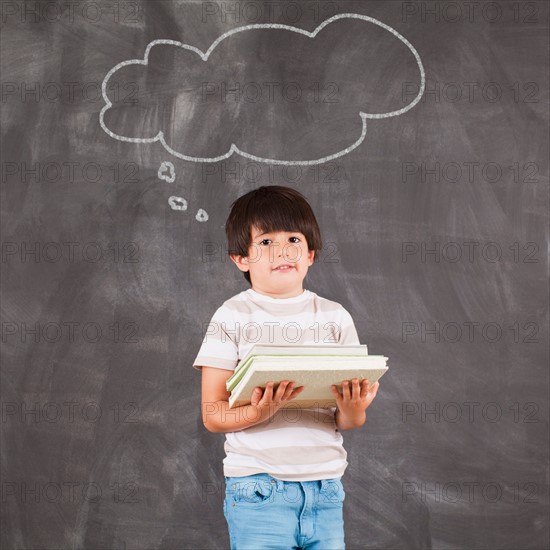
201	216
167	166
177	203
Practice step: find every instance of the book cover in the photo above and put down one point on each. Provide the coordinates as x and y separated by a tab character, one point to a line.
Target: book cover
315	373
292	350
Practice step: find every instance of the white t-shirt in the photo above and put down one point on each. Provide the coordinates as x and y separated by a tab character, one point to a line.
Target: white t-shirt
294	444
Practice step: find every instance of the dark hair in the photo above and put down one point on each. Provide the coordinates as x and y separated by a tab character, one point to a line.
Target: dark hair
270	208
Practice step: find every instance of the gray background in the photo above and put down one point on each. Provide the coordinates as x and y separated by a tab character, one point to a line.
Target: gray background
146	473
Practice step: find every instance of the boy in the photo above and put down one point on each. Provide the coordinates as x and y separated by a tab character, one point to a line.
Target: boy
283	467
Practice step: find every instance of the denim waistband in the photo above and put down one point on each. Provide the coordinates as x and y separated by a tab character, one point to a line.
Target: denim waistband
323	484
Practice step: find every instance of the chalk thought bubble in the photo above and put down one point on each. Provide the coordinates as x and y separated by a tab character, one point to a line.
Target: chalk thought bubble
165	167
177	203
185	113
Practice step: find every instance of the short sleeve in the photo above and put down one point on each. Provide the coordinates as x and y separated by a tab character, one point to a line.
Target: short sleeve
219	346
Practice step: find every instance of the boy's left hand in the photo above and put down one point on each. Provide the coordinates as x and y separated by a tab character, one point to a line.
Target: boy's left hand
355	398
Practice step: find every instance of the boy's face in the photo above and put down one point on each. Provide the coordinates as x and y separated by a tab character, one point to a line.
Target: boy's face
267	253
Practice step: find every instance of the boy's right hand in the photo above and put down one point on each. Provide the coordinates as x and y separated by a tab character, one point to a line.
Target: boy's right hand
268	404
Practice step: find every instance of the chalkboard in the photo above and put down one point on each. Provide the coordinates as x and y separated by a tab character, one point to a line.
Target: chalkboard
418	132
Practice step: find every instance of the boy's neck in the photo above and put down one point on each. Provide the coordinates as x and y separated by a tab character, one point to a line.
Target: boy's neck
291	293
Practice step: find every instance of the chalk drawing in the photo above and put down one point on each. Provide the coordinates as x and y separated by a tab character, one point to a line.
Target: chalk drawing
201	216
234	149
177	203
171	176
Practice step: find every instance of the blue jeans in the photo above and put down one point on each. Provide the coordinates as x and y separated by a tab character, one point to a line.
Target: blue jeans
269	513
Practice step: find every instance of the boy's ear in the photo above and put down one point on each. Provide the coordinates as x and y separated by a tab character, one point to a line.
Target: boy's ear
240	261
311	256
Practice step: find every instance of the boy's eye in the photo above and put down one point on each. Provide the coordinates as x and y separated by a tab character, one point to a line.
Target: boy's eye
297	239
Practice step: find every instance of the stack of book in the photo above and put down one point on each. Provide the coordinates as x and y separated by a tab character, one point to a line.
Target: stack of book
316	367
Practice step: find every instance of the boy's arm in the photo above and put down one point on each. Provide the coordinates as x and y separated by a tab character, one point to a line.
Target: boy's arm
219	349
348	336
216	415
345	423
353	402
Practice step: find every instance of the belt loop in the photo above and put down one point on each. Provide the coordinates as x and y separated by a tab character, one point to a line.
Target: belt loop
279	484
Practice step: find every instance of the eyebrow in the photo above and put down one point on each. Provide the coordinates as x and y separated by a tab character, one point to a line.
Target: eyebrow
271	232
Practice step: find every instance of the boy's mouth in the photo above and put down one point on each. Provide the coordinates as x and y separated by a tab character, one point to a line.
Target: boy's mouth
284	267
